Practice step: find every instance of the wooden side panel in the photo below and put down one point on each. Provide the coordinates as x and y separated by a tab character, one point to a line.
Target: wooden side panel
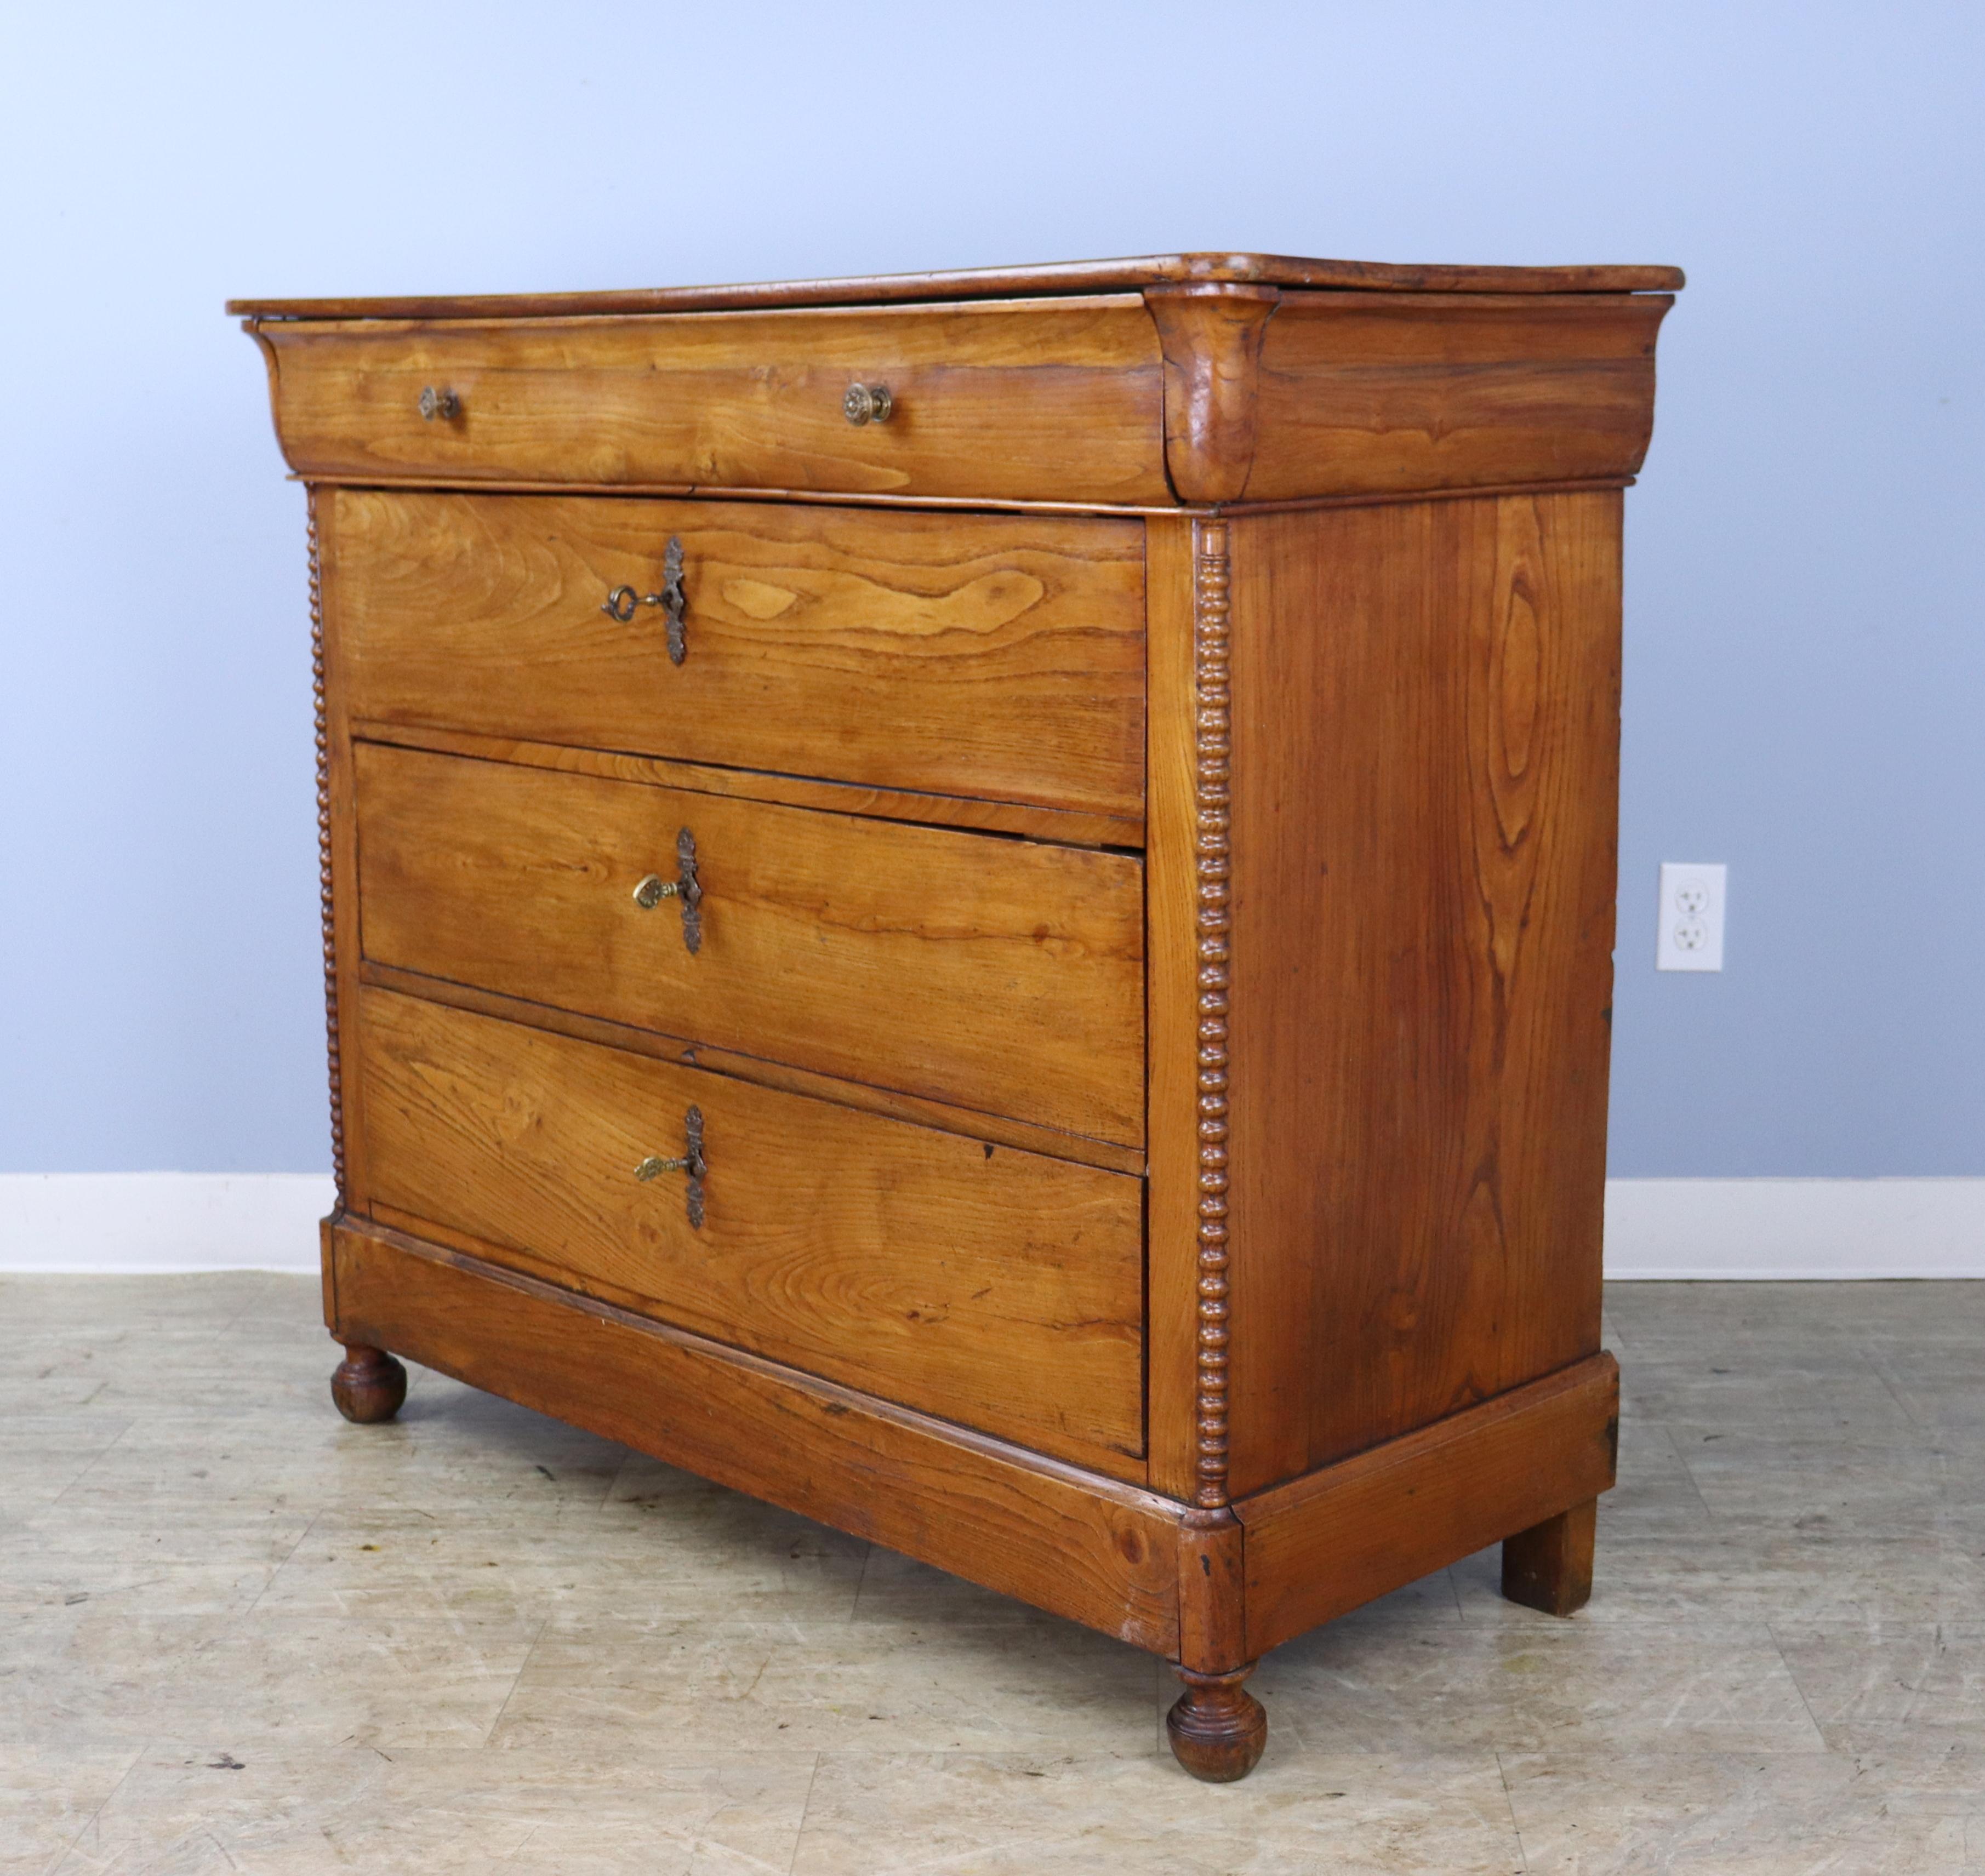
997	1288
1098	1553
1171	913
1426	717
1381	393
993	973
966	654
1320	1546
1056	400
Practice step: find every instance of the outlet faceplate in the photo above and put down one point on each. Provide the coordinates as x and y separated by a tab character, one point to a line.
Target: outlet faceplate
1690	935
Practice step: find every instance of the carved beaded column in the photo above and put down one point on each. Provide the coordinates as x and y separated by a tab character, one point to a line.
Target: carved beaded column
1213	802
324	853
368	1385
1217	1728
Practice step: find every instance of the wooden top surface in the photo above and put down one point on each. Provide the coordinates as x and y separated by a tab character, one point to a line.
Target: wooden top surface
991	284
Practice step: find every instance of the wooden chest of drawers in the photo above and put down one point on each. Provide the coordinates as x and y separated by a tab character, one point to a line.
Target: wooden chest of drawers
982	904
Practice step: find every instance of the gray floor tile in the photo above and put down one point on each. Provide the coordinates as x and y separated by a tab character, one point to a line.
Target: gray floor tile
237	1633
188	1807
1760	1812
1017	1814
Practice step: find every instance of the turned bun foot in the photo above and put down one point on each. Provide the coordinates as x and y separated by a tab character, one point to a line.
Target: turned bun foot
368	1384
1216	1727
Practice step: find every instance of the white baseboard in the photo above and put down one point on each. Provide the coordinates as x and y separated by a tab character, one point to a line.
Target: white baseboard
1742	1230
1794	1230
156	1222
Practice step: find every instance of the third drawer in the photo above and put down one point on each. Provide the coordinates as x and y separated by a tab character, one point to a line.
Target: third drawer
993	974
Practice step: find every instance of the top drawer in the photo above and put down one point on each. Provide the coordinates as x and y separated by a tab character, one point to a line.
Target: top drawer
1041	400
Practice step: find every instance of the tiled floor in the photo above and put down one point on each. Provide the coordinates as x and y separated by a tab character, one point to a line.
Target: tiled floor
241	1635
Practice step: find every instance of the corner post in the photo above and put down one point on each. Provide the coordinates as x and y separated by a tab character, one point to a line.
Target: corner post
1217	1728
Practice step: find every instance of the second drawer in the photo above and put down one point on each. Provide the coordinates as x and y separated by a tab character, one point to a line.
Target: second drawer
1001	656
998	974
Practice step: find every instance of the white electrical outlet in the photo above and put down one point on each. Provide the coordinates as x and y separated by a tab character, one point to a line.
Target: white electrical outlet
1691	928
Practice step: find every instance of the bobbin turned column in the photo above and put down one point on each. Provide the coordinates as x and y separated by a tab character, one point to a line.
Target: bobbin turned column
368	1384
1217	1728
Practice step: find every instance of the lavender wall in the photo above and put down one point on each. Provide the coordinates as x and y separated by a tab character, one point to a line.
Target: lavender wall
1805	661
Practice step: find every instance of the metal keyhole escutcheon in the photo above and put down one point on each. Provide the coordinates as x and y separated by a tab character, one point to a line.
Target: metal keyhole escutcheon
691	1161
686	886
622	602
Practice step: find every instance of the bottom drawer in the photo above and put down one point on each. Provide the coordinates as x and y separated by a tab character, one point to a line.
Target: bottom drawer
1000	1289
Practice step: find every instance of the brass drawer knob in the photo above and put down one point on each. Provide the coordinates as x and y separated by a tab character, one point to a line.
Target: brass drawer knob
442	404
686	886
691	1162
867	404
622	602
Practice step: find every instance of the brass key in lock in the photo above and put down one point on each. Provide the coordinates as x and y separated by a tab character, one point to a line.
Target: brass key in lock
653	889
622	602
692	1162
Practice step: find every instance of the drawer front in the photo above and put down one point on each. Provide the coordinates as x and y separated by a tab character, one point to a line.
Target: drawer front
1031	400
995	974
992	1286
1001	656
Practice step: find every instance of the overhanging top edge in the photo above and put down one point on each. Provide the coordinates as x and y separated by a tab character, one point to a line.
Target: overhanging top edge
1060	277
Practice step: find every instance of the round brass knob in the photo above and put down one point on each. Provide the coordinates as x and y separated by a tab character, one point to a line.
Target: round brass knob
442	404
653	890
867	404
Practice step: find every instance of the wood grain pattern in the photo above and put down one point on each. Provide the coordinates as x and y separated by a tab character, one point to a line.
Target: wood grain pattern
1171	1003
993	1287
960	655
1320	1546
1046	398
994	282
1193	393
1001	1129
1093	1460
1097	1552
1062	827
992	973
1376	392
1426	702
